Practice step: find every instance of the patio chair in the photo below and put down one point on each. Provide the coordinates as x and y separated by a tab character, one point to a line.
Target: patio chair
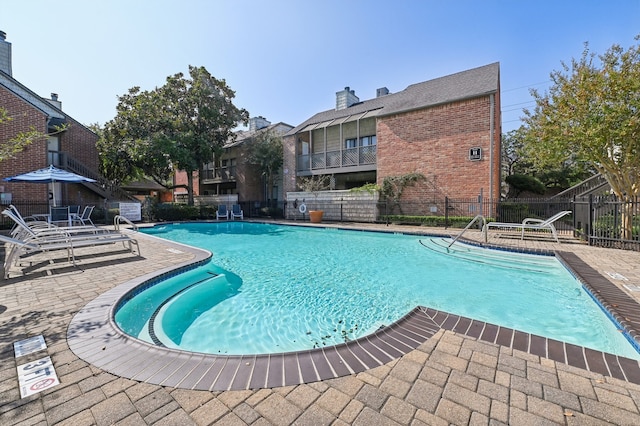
74	210
26	239
236	212
530	224
60	215
85	217
222	212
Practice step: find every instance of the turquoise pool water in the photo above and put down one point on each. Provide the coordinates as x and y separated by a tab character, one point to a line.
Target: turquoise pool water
271	288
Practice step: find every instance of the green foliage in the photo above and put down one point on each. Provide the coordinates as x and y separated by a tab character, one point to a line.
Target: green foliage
266	153
431	221
606	226
514	157
177	126
394	186
370	188
590	116
521	183
168	212
271	212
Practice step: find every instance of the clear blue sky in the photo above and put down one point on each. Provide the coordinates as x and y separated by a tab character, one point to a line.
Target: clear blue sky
286	59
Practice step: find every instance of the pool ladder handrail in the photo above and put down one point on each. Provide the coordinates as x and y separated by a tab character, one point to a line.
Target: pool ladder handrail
479	216
118	219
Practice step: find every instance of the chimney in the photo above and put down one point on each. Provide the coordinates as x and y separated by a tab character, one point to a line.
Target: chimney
5	54
54	101
381	92
345	98
257	123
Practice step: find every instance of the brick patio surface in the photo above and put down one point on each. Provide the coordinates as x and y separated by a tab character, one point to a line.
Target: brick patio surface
449	379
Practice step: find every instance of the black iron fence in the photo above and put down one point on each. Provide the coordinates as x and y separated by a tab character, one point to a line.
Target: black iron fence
600	220
607	221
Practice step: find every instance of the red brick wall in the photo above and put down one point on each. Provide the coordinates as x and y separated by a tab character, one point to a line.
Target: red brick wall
80	142
436	143
77	141
24	118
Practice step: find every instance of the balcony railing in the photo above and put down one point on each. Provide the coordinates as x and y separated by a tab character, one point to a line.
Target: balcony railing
221	175
351	157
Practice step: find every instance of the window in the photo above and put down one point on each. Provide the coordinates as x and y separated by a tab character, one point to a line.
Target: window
368	141
351	143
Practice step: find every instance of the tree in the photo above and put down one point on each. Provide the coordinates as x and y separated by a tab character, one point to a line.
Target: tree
514	157
591	115
516	161
267	155
178	126
16	144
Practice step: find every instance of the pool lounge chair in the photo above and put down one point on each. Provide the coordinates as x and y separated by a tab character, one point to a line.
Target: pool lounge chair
236	212
222	212
530	224
27	239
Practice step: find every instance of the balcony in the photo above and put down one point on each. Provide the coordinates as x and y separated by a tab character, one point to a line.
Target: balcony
219	175
341	161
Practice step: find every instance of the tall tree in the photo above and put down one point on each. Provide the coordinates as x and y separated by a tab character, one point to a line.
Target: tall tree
267	155
591	114
514	160
178	126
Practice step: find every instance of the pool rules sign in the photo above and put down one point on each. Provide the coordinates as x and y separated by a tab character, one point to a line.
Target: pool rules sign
38	375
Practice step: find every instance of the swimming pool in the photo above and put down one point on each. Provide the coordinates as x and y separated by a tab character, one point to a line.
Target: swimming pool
271	288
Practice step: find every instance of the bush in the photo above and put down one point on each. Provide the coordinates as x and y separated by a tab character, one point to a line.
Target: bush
522	183
270	212
432	221
174	212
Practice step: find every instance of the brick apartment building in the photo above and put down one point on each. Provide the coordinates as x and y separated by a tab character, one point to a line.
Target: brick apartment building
233	174
448	129
73	149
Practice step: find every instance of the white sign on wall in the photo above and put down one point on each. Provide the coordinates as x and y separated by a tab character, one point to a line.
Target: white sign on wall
131	211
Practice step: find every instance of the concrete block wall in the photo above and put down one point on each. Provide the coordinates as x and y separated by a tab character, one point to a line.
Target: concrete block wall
347	206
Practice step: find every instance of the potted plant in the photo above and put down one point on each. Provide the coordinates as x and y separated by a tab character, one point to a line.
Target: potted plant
314	184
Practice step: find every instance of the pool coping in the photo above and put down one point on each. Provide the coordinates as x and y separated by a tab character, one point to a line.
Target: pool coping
94	337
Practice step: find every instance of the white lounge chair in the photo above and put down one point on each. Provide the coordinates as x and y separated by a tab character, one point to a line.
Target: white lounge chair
236	212
222	212
530	224
26	239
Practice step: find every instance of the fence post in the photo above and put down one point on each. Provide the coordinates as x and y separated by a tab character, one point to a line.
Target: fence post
446	212
590	224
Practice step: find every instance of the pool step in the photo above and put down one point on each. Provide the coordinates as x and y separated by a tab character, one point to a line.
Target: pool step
178	312
497	258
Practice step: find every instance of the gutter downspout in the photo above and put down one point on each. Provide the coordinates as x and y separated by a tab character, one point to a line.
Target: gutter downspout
492	141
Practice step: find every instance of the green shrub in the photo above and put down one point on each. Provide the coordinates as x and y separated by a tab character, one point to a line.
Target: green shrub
174	212
522	183
432	221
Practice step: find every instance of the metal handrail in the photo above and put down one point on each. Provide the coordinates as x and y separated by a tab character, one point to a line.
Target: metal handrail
479	216
118	219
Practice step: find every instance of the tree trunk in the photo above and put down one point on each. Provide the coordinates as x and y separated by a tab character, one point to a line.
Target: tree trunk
190	188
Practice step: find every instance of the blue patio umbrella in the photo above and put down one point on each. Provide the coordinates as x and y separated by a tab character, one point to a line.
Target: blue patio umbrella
49	175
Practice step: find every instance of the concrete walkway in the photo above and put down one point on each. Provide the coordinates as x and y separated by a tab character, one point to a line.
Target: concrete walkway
449	379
